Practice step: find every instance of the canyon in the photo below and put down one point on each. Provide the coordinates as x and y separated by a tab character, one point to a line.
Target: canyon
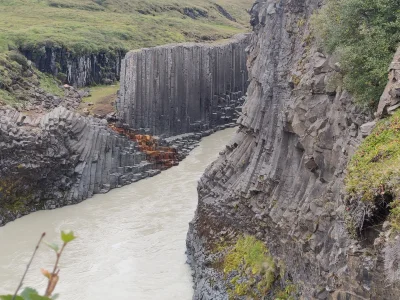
274	219
51	156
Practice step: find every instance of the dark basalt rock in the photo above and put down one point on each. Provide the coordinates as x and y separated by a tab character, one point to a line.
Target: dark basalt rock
281	178
78	70
175	89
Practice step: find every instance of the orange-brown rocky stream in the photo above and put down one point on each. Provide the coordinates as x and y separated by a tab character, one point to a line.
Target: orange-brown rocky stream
163	157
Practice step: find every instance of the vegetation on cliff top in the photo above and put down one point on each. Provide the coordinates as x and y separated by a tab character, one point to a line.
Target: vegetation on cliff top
374	170
88	26
365	34
18	80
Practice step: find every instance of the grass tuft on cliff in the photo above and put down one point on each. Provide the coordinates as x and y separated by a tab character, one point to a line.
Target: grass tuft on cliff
249	258
365	34
374	170
19	81
90	26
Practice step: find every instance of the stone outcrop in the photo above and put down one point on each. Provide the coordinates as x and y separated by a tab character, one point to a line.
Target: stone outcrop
78	70
183	88
390	100
281	177
61	158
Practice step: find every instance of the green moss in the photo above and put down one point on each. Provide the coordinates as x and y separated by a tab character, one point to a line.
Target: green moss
17	79
7	98
375	168
51	85
250	258
395	215
14	197
289	292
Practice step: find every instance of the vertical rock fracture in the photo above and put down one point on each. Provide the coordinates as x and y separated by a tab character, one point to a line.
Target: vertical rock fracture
182	88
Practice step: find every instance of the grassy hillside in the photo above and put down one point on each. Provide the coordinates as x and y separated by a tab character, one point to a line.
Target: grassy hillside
93	25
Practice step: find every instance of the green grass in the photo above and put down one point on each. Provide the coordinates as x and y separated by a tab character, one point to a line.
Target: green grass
374	171
50	85
7	98
17	79
85	26
255	266
97	93
375	168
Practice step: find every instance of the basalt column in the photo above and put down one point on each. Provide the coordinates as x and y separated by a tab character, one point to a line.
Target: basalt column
183	88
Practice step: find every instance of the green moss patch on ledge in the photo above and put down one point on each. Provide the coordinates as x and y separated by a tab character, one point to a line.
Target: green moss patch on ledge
250	268
18	80
374	170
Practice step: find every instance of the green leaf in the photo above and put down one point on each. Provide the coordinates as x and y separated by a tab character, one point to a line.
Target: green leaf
67	237
9	297
28	292
53	246
38	297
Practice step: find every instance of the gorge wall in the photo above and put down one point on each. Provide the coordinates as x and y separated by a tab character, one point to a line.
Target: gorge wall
61	158
182	88
281	177
78	70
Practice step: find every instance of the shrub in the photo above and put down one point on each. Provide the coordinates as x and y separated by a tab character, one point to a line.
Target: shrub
365	34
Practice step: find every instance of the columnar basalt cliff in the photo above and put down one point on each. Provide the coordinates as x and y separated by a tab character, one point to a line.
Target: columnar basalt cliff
182	88
281	177
61	158
78	70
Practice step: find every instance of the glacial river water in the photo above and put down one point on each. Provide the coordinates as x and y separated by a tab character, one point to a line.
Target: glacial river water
131	243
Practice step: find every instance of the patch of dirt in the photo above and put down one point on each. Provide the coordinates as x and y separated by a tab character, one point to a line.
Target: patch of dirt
101	108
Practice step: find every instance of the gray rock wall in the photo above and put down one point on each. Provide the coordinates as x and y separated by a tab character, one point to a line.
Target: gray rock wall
281	177
61	158
182	88
78	70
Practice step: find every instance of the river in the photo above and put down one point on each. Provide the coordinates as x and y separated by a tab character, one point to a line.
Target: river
131	243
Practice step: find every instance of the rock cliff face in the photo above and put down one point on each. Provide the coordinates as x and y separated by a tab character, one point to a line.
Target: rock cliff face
74	69
61	158
281	177
182	88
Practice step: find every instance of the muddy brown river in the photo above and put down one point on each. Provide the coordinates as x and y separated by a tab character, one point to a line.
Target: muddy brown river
131	243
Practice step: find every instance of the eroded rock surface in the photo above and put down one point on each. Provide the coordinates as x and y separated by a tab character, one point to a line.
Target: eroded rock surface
176	89
61	158
78	70
281	177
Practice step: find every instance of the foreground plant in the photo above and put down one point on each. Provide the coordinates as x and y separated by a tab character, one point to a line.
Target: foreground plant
53	277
